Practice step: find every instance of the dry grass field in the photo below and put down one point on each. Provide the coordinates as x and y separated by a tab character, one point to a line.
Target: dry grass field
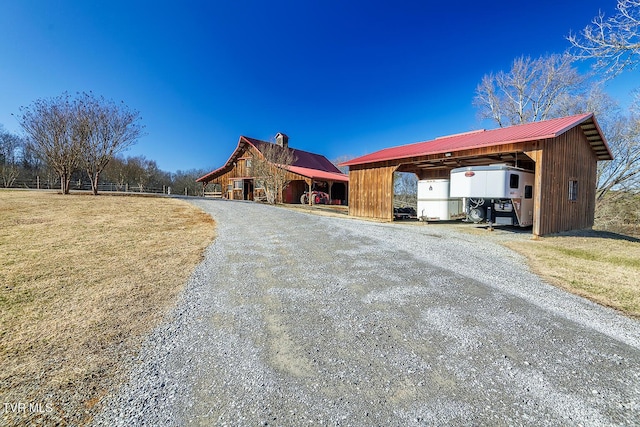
82	280
601	266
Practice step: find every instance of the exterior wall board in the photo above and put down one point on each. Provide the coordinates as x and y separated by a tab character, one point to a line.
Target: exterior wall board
371	192
566	158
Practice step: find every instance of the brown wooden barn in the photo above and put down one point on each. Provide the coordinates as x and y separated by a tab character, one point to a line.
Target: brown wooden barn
235	179
562	152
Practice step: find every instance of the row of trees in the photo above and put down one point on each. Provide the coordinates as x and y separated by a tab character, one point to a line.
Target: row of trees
551	86
20	166
84	132
82	136
11	157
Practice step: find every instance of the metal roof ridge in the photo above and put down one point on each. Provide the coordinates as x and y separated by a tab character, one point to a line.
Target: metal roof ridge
458	134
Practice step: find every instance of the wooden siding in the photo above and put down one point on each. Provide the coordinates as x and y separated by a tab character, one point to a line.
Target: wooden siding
240	171
371	192
535	152
562	159
435	174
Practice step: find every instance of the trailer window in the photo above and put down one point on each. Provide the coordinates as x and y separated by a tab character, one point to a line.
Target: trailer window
528	191
573	190
514	181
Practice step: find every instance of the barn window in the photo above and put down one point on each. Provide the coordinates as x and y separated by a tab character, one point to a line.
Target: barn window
528	191
248	163
573	190
237	185
514	181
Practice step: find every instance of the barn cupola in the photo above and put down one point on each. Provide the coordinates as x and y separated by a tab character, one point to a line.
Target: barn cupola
282	140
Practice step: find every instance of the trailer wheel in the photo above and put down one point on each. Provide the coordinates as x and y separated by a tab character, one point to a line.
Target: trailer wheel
476	214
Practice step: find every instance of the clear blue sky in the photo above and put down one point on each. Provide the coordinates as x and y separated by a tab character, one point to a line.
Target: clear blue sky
339	77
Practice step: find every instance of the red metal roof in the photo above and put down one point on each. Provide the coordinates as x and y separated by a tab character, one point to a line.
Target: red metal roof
307	164
303	159
318	174
486	138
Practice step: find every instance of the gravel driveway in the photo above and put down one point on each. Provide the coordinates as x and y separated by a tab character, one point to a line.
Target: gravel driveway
296	319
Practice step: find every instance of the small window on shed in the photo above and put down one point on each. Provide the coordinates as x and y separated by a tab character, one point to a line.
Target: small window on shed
528	191
237	185
514	181
573	190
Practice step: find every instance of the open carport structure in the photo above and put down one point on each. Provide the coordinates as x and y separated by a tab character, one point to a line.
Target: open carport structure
562	152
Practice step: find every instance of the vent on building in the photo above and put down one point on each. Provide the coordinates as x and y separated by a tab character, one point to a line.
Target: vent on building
282	140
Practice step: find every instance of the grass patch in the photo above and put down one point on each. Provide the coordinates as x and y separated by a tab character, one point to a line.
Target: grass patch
82	280
601	266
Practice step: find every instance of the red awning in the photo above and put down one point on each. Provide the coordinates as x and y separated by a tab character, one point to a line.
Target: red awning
318	174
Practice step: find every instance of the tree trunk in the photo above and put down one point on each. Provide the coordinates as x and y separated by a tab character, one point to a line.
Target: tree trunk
94	183
65	180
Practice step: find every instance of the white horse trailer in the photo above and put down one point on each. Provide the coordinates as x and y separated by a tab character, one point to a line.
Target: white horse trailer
498	194
434	203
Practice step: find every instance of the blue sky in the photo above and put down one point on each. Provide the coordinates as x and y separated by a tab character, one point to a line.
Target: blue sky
340	78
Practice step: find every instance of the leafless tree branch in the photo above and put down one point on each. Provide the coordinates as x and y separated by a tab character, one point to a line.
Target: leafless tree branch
48	124
105	129
86	131
269	168
530	91
10	146
613	42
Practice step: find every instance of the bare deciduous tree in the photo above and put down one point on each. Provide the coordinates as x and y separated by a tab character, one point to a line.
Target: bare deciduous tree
341	159
531	91
104	129
86	131
515	97
269	168
405	188
613	42
593	100
623	172
10	145
49	126
184	182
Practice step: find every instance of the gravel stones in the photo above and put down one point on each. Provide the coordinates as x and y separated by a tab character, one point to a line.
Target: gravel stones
296	319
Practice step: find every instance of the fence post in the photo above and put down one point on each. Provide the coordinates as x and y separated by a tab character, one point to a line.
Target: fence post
38	181
185	191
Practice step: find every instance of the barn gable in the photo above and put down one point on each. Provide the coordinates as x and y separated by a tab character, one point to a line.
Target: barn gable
309	170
